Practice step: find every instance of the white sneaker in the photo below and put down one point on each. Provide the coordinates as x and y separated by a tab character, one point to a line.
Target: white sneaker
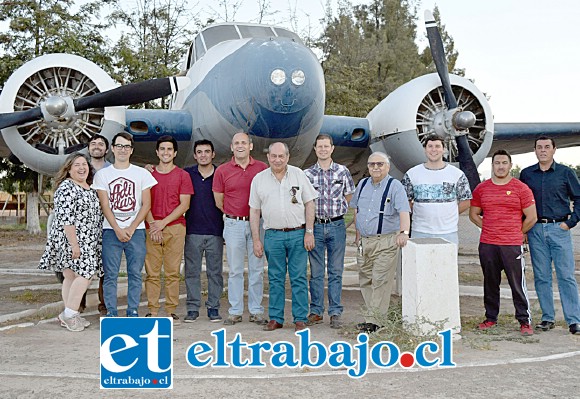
61	318
73	323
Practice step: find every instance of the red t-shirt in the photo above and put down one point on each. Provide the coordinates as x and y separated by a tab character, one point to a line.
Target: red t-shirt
165	194
502	207
234	182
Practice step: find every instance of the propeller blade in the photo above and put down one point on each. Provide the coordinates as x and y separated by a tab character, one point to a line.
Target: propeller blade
133	93
20	117
465	159
130	94
464	155
438	54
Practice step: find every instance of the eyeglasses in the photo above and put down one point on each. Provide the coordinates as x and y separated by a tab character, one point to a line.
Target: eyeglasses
293	192
123	147
377	164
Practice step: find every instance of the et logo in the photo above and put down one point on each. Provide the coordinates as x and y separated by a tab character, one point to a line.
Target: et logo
136	352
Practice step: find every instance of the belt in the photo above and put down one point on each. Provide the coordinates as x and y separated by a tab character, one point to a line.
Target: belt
548	220
244	218
320	220
287	229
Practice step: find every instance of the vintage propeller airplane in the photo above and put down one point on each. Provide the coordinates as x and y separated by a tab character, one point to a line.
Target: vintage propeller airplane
261	79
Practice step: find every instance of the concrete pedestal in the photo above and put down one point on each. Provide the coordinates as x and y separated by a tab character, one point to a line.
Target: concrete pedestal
430	284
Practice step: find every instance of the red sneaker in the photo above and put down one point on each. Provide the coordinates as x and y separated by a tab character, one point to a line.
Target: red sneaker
487	324
526	330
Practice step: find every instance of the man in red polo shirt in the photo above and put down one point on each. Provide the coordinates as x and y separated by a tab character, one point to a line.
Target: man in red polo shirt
497	208
231	189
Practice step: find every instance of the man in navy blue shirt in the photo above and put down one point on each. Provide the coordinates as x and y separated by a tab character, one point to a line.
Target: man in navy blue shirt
554	186
205	225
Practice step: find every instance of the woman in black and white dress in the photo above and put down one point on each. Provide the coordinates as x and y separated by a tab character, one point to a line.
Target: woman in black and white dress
74	240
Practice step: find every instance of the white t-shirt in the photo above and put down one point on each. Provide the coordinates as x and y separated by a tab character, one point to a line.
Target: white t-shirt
124	188
436	194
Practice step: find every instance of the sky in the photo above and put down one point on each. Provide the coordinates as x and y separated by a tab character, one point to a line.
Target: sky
524	55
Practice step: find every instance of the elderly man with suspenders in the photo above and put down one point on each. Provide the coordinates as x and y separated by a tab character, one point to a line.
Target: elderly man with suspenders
382	228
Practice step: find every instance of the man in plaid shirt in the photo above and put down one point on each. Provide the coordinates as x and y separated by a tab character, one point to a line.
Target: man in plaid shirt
335	187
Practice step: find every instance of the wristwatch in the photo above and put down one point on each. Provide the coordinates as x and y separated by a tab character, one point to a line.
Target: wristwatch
311	231
404	232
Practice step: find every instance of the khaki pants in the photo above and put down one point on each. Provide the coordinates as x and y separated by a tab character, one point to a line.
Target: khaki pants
167	254
377	273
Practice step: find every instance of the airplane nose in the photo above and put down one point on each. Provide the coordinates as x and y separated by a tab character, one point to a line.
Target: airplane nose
287	88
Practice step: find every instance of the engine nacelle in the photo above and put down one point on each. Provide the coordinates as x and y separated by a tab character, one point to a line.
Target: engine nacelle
43	145
400	123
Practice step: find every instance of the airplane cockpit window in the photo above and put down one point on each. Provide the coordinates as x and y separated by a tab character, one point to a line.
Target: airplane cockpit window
286	33
217	34
190	58
199	49
248	31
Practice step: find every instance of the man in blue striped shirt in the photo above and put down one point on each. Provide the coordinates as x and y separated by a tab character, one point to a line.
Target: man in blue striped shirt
554	186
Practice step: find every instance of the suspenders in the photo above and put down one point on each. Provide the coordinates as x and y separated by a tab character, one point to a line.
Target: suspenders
384	199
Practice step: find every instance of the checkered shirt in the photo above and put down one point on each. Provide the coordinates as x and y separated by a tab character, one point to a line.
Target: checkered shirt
332	185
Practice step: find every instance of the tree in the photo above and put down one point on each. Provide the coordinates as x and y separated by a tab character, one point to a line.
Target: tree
41	27
158	34
50	26
448	45
368	51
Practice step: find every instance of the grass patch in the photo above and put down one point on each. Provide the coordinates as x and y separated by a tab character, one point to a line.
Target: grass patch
40	296
13	227
404	334
507	329
469	277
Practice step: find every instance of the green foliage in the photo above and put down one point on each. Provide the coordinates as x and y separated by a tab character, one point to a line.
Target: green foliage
50	26
369	50
16	177
157	36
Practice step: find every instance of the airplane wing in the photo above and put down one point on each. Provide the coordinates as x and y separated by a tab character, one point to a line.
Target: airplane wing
518	138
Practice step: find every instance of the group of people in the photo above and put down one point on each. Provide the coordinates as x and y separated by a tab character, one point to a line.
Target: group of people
159	215
534	210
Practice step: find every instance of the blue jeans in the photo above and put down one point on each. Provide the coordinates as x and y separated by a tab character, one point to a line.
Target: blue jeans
238	237
329	238
286	253
549	243
135	255
213	247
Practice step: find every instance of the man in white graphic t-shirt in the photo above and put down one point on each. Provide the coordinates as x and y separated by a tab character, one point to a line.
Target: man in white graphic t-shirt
437	192
124	193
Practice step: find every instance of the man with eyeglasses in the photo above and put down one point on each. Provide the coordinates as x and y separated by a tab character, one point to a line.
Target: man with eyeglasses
231	188
285	198
382	228
437	192
335	186
125	195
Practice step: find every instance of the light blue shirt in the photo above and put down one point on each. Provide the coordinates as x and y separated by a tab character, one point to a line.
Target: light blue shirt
368	205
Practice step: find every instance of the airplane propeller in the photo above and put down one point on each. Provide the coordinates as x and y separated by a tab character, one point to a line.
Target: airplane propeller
56	107
461	120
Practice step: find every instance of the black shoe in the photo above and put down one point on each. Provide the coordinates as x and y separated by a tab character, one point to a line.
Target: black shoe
192	316
545	325
574	328
368	328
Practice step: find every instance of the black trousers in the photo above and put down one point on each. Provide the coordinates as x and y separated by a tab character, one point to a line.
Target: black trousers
510	258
